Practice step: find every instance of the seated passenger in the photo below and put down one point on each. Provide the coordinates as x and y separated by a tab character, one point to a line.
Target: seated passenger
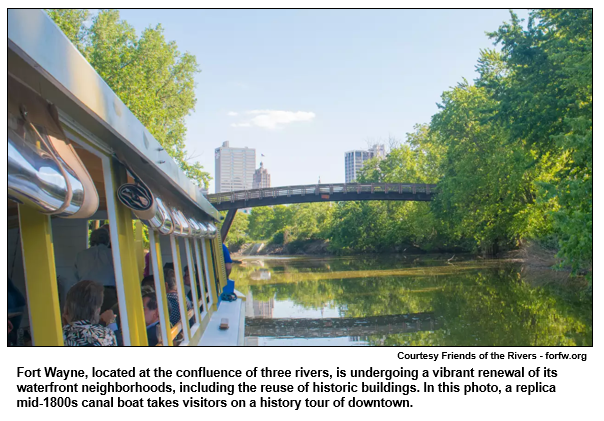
82	311
172	294
187	281
110	318
168	266
148	281
106	228
96	264
151	315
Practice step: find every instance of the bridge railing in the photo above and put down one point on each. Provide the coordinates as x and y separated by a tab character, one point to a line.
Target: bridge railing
321	189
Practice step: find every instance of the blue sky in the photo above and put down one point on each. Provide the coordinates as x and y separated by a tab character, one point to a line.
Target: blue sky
308	85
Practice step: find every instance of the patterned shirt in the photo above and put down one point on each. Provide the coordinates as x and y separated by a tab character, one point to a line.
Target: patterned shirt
84	333
175	307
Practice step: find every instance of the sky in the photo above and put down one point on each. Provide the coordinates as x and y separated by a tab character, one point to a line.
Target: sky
303	87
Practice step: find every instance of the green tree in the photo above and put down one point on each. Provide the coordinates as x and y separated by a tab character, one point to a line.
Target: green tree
417	160
308	221
486	184
261	223
73	23
359	227
547	103
238	232
390	226
149	74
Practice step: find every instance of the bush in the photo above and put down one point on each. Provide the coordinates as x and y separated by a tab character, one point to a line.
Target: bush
278	238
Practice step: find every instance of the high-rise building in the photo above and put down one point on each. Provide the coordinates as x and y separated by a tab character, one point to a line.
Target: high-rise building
262	179
378	151
354	160
234	168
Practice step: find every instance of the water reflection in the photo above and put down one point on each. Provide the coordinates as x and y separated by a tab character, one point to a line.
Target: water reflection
257	308
260	275
469	303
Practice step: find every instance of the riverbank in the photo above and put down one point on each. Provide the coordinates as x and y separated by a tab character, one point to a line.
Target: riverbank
318	248
528	253
311	247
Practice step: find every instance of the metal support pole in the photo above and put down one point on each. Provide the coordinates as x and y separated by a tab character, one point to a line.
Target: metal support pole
226	225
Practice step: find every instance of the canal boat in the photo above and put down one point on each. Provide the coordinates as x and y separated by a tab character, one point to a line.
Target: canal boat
76	156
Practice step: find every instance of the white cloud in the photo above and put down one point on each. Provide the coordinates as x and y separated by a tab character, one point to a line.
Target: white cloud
273	119
232	113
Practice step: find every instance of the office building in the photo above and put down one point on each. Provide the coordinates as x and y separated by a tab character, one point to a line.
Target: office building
354	160
234	168
262	179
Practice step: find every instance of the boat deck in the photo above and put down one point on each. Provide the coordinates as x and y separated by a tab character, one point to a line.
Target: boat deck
234	335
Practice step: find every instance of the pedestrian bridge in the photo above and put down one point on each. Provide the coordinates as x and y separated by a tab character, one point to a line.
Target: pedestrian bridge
232	201
321	193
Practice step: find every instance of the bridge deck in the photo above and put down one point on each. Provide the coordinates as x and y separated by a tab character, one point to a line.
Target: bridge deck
321	193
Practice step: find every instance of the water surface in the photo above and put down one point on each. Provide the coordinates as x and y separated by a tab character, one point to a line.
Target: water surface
412	300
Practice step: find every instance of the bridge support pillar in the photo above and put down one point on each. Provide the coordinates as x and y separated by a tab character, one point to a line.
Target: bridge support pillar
226	225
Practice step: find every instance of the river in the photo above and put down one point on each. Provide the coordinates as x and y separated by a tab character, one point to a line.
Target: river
409	301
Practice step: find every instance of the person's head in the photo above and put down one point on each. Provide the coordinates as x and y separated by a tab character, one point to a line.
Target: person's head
98	237
148	281
168	266
187	276
83	302
150	305
170	279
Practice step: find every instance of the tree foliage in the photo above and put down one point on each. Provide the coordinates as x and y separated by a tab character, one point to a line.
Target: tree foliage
148	73
238	231
547	103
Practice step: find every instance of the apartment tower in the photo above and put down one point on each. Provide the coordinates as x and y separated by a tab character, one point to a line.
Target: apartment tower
354	160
